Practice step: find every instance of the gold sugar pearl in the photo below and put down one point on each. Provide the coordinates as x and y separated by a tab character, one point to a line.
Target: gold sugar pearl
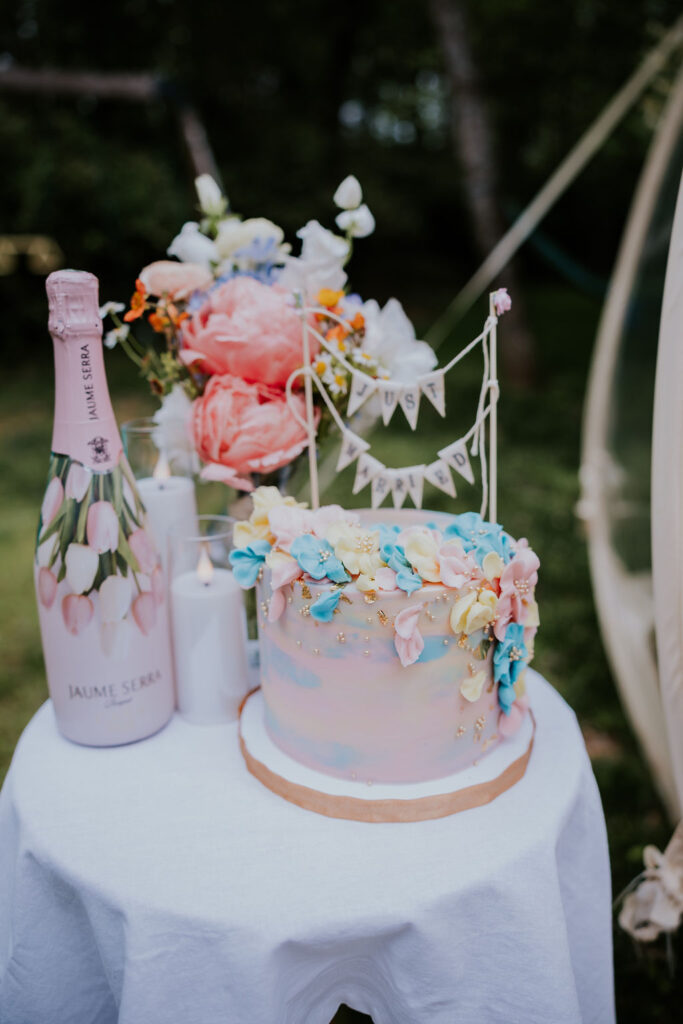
316	650
446	642
366	654
369	620
305	610
460	731
366	639
341	638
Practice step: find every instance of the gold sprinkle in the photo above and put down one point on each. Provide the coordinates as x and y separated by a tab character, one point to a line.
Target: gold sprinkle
290	599
298	643
370	597
343	597
341	638
369	620
462	641
366	654
366	639
383	617
260	575
471	668
305	610
460	731
305	591
446	642
316	650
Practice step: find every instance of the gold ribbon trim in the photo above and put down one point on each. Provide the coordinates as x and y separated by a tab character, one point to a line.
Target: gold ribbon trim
423	808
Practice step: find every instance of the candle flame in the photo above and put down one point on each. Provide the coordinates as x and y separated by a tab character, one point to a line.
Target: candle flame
204	566
162	470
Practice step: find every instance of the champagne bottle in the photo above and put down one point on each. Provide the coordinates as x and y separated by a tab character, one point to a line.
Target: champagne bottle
99	582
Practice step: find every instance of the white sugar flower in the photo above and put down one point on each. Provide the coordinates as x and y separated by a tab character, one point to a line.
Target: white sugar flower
111	307
349	194
358	223
191	246
390	339
212	202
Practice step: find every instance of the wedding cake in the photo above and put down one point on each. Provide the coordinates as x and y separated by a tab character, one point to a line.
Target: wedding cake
393	643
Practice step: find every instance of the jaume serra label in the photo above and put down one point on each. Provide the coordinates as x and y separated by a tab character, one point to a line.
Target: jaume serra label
99	580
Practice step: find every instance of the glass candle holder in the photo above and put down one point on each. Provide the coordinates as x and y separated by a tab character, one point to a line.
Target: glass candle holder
162	466
208	622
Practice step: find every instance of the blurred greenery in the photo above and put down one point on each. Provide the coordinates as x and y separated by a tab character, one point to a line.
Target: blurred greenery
293	97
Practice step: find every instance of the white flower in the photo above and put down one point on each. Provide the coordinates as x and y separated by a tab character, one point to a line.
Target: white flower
191	246
117	334
77	481
173	435
81	566
115	595
390	339
111	307
321	264
45	552
358	223
349	195
212	202
234	234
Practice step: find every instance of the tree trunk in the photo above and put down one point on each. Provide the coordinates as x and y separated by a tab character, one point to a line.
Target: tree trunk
473	146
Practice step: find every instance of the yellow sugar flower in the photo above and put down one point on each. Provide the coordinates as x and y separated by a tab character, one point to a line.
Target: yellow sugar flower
532	620
471	687
245	532
356	548
264	499
473	611
422	552
493	566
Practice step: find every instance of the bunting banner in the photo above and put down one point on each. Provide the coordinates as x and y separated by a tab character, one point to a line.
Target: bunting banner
457	458
432	385
439	475
381	486
352	447
406	483
361	388
368	467
409	400
389	396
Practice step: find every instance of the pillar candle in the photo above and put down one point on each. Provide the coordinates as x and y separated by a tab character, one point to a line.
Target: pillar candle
170	501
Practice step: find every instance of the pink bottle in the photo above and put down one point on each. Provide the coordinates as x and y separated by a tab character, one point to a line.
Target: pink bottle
101	595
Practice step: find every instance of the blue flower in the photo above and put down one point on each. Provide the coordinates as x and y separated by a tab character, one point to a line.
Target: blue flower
246	562
479	536
395	557
317	558
509	658
408	581
325	606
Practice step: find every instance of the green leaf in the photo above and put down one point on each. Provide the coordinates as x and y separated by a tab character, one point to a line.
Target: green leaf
62	572
118	490
54	525
125	551
83	515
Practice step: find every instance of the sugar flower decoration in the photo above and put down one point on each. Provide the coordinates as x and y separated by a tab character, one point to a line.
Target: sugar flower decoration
408	640
421	550
356	548
517	584
456	566
509	659
479	536
317	558
473	611
324	608
383	579
247	562
283	569
471	687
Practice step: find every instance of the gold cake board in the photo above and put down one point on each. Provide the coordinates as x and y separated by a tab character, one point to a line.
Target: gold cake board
425	807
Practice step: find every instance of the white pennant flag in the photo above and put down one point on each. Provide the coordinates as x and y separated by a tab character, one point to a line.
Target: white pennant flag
381	486
439	475
410	403
352	447
368	467
456	456
399	487
362	387
431	384
414	476
389	395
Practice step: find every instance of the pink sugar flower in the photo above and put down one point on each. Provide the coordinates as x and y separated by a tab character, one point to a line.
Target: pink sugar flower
517	582
102	527
77	611
142	546
385	578
284	572
177	280
247	428
407	637
248	329
145	612
77	480
47	587
501	301
456	566
287	523
54	496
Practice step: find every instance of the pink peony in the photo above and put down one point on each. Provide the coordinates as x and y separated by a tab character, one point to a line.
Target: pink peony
47	587
145	612
54	496
408	640
247	329
177	280
77	611
247	428
142	546
102	527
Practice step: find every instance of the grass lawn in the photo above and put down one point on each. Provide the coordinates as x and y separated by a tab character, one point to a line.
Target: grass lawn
539	453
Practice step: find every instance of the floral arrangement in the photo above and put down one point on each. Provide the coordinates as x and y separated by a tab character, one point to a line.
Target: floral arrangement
494	576
229	311
92	534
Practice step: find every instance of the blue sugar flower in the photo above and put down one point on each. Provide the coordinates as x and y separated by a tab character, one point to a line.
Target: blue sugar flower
509	658
317	558
393	554
246	562
408	581
479	536
325	606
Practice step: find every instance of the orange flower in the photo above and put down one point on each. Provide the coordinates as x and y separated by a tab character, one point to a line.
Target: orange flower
137	303
157	322
329	298
337	333
358	322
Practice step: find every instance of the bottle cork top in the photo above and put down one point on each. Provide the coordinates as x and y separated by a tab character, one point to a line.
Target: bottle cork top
73	303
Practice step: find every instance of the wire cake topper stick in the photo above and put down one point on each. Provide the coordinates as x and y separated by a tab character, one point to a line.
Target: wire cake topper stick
406	481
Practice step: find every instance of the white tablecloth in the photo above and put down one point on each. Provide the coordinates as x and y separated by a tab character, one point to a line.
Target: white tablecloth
160	883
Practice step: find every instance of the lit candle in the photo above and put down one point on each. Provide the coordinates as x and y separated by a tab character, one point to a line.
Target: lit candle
209	643
170	501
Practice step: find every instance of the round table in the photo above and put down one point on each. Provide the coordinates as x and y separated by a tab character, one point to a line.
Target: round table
161	882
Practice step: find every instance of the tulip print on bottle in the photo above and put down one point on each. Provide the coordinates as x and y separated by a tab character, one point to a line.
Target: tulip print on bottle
99	582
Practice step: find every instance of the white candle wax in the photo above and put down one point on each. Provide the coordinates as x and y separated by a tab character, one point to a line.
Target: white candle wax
209	645
170	501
